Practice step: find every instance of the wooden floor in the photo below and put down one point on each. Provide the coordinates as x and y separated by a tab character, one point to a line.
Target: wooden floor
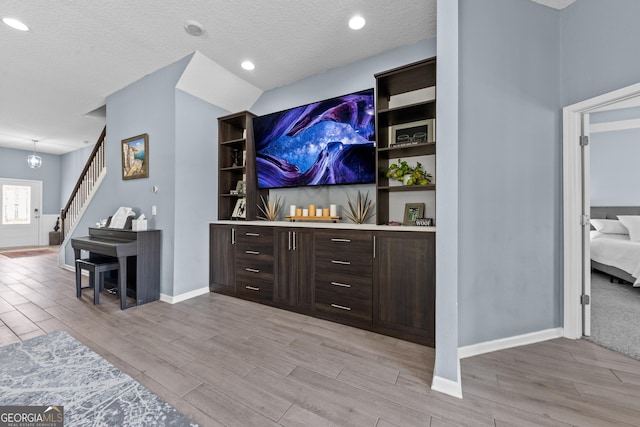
224	361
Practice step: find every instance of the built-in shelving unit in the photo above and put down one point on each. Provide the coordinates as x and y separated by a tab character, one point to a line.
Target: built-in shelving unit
401	98
235	143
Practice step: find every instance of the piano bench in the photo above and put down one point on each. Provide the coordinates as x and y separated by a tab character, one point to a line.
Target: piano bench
95	267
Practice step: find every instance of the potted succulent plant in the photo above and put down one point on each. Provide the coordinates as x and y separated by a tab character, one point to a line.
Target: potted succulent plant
408	175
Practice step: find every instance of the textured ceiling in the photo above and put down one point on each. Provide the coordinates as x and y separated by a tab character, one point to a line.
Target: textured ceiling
78	52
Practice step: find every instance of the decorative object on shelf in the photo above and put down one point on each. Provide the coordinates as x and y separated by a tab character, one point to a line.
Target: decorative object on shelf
33	160
360	211
235	155
241	188
240	211
412	212
294	218
419	132
270	208
408	175
425	222
292	210
135	157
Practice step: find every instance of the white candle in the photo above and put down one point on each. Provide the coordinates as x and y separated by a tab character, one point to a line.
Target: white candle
333	210
292	210
305	212
318	211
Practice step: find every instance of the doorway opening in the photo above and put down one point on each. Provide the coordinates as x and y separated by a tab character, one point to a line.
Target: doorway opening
576	206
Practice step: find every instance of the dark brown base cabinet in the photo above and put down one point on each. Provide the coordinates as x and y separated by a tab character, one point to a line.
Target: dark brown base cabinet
383	281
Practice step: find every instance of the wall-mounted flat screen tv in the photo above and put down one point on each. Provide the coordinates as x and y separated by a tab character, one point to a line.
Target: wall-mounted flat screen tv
323	143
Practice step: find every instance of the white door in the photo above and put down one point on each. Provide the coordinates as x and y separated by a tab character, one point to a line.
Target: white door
21	207
586	227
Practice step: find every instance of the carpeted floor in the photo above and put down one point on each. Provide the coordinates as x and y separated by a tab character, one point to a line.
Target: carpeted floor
615	315
56	369
27	252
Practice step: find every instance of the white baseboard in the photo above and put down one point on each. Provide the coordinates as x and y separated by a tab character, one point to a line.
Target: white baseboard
504	343
443	385
183	297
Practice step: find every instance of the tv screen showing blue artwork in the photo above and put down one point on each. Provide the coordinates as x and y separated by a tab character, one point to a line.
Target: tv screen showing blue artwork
323	143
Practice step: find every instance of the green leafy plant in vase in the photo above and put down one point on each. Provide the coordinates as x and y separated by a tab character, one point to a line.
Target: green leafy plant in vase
408	175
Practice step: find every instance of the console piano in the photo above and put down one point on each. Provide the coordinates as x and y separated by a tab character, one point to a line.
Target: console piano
138	254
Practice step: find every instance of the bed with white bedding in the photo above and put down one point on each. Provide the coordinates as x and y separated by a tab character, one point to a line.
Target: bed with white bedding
615	242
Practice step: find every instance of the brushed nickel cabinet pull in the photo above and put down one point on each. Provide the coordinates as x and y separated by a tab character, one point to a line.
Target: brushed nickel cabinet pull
252	234
233	236
340	262
252	270
252	252
289	236
344	285
341	240
295	242
252	288
341	307
374	246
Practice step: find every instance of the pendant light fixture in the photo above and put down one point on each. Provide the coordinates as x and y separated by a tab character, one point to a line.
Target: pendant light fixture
34	160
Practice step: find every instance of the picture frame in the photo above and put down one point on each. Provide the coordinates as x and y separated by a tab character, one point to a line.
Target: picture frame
135	157
240	210
241	187
419	132
412	212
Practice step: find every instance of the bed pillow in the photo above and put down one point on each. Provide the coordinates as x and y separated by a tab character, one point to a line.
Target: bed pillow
632	222
609	226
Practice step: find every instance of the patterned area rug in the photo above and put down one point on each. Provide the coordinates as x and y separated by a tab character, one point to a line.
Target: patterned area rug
56	369
27	252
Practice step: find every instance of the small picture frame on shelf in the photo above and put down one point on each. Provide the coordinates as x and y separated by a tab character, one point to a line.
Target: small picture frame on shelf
241	188
240	211
419	132
412	212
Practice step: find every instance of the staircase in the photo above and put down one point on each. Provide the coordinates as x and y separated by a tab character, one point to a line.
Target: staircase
90	179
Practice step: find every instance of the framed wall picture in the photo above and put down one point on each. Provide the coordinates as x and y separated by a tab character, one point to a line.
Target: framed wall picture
419	132
135	157
240	211
412	212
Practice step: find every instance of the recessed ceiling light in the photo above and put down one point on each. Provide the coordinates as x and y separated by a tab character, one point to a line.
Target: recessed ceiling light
248	65
356	22
14	23
193	27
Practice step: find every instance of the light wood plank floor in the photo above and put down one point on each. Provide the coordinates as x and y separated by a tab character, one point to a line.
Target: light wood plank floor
224	361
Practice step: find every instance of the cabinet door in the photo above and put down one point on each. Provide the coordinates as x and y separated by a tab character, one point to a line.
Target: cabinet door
221	259
405	279
294	268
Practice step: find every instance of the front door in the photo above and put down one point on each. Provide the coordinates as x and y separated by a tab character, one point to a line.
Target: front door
21	207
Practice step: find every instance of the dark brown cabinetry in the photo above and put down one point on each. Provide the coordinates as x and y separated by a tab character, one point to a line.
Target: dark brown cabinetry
222	277
395	110
254	262
344	274
405	277
295	265
236	162
382	281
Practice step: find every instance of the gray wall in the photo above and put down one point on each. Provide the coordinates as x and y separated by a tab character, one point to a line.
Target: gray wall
509	170
614	177
599	48
13	164
146	106
196	187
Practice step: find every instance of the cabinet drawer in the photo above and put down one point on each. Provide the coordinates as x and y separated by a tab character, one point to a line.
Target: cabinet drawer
255	288
347	247
254	269
345	303
254	239
343	266
331	278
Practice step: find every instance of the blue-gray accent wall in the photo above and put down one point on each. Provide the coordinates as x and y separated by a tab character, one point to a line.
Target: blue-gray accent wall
510	159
